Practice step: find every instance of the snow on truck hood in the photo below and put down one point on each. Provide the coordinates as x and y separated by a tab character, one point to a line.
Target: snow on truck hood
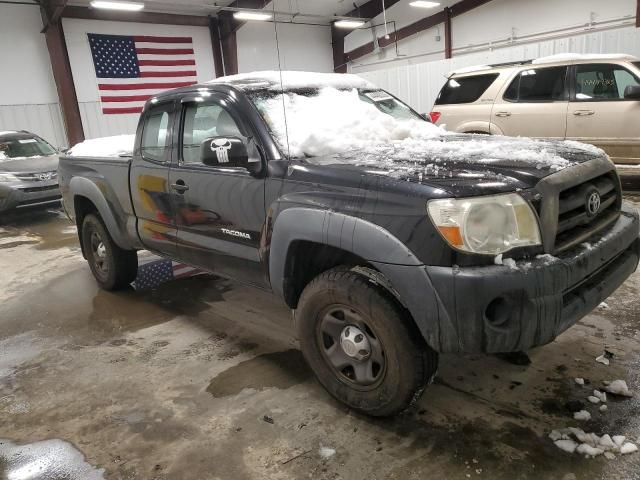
454	161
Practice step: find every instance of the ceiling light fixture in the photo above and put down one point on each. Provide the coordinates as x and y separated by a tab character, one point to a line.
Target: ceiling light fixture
245	15
349	23
424	4
129	6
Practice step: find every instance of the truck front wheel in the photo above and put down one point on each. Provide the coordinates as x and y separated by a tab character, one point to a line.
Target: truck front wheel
361	344
112	267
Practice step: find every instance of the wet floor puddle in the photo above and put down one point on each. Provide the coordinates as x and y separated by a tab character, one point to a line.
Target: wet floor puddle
279	369
45	460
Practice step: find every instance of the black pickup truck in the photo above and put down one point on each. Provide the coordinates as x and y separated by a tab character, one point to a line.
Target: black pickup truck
391	239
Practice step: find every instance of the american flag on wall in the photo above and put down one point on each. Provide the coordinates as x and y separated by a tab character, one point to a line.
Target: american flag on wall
132	68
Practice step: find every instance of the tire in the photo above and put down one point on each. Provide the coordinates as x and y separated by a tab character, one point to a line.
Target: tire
112	267
338	300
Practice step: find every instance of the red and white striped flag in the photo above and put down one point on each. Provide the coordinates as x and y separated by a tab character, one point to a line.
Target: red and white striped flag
132	68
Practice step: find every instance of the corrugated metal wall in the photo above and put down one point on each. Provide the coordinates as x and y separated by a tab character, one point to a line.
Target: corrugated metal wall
419	84
44	120
97	125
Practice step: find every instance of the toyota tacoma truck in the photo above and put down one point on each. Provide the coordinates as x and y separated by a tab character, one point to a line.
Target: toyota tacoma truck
389	238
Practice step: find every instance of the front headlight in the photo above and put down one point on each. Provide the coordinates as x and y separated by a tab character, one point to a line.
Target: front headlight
8	177
489	225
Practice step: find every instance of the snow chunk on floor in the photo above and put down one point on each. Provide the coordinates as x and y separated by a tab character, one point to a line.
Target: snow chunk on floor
601	395
603	360
566	445
118	145
594	400
603	408
619	440
628	448
326	452
579	381
582	415
589	451
607	442
619	387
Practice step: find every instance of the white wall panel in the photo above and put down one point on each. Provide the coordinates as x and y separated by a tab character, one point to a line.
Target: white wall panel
497	22
419	84
43	119
302	47
28	96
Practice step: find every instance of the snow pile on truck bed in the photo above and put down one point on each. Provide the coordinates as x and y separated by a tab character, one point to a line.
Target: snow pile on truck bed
292	80
116	146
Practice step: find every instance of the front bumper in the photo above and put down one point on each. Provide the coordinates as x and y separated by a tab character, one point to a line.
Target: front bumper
503	309
29	195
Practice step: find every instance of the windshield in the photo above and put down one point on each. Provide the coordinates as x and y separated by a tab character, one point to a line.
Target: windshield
324	121
25	147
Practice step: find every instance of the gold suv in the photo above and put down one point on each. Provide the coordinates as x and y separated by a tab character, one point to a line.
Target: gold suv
590	98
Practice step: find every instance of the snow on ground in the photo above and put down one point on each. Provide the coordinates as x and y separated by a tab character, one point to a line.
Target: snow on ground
326	452
104	147
619	387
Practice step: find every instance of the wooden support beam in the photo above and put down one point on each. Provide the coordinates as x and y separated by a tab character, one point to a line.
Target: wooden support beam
337	44
61	68
638	14
459	8
448	46
227	27
216	46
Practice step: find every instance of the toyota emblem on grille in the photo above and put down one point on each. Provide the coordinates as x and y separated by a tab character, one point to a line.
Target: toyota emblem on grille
593	203
44	176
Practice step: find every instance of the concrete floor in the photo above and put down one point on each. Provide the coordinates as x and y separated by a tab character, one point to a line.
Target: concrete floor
199	379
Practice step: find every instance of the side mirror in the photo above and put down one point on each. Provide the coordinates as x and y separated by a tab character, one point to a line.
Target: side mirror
224	152
632	92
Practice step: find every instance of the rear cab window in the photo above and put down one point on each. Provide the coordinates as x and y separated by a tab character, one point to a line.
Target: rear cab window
465	89
602	82
538	85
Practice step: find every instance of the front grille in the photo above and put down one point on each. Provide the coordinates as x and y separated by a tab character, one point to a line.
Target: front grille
578	218
37	176
39	189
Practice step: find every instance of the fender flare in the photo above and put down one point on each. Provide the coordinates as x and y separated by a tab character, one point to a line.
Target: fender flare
84	187
406	275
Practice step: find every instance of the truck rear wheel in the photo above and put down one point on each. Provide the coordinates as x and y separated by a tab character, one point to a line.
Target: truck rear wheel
361	345
112	267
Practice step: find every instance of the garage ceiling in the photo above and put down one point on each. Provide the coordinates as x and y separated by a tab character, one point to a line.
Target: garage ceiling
323	8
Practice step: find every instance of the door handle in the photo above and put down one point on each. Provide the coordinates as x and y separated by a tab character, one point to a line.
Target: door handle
583	113
503	114
179	186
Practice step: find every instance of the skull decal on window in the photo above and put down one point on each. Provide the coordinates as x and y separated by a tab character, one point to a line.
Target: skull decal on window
221	146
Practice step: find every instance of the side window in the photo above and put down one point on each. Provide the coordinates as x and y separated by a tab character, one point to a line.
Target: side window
203	121
602	82
465	89
156	139
538	85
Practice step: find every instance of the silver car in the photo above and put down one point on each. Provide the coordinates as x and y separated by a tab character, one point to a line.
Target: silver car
28	172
